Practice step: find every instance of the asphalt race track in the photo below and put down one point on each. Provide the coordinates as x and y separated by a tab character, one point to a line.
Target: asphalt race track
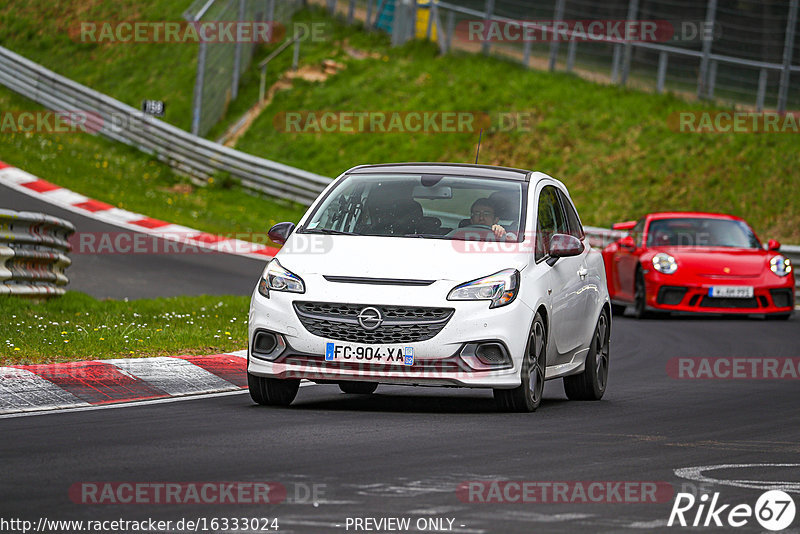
403	452
119	276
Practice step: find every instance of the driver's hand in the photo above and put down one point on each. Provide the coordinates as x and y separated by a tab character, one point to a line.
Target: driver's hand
499	231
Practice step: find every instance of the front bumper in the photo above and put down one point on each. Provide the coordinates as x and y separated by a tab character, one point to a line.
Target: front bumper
437	361
684	294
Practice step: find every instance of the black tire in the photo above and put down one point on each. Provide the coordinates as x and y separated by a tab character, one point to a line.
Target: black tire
640	296
358	388
618	310
528	395
272	391
591	383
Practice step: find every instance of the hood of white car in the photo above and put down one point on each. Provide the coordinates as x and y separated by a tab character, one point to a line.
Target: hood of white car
399	258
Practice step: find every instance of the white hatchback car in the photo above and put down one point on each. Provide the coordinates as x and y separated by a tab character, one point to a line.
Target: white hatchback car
433	274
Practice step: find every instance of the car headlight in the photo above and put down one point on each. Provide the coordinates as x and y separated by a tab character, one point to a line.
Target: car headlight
780	265
500	288
276	278
664	263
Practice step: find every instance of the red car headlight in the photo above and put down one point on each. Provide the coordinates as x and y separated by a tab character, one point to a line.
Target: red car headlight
780	265
664	263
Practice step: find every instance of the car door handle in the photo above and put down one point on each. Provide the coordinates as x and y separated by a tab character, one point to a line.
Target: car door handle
582	272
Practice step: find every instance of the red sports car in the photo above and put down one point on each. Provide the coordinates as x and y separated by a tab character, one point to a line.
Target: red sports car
697	262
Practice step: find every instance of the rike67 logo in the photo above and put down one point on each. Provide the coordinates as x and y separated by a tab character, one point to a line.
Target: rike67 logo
774	510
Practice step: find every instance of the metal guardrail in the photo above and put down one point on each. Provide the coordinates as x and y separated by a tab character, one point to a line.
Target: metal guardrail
33	254
181	150
602	237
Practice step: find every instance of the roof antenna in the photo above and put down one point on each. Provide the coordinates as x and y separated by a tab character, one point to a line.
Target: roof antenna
479	146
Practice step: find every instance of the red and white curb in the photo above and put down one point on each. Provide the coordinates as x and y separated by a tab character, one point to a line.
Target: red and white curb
31	185
59	386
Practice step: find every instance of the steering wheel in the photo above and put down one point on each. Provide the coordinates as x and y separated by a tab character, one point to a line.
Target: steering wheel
478	226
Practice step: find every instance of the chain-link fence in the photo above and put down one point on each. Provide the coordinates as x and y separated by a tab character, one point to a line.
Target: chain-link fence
737	51
221	61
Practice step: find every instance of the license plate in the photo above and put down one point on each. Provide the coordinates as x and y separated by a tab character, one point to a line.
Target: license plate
736	292
398	355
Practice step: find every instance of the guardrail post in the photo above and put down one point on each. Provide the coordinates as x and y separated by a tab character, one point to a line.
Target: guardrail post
633	11
762	90
559	16
197	104
711	16
487	19
237	56
662	71
791	24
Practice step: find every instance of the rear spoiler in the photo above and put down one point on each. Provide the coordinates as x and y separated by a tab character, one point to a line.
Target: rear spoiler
623	226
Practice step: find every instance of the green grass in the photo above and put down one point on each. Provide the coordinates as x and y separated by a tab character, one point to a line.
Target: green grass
610	145
77	327
125	177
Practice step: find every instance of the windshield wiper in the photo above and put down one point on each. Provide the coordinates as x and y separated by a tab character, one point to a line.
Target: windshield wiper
326	231
431	236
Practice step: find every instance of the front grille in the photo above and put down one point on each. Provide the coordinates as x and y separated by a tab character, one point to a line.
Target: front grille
726	302
401	324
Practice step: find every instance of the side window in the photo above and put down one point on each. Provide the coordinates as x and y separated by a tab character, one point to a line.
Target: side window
549	220
574	227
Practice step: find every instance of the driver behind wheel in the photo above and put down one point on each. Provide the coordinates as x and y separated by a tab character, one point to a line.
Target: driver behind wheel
483	214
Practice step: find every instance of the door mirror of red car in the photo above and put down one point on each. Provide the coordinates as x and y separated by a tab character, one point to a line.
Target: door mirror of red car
773	245
627	242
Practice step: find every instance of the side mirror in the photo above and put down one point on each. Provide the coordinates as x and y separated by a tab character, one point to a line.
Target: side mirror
280	232
563	245
627	242
773	245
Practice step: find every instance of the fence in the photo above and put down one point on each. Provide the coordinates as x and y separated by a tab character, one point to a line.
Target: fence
33	254
713	50
185	152
221	64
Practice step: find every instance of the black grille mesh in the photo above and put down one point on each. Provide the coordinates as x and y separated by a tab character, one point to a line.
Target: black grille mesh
401	324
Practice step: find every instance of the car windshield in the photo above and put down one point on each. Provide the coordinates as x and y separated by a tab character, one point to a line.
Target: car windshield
427	206
701	232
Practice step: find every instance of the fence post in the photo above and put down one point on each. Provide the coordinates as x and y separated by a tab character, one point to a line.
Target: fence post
368	23
762	90
271	20
197	104
662	70
633	11
712	79
791	24
237	56
351	11
332	7
615	63
451	28
559	16
526	49
412	26
573	44
296	54
702	81
487	19
429	29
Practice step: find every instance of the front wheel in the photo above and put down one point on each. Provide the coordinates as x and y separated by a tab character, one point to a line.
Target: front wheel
528	395
591	383
272	391
639	297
